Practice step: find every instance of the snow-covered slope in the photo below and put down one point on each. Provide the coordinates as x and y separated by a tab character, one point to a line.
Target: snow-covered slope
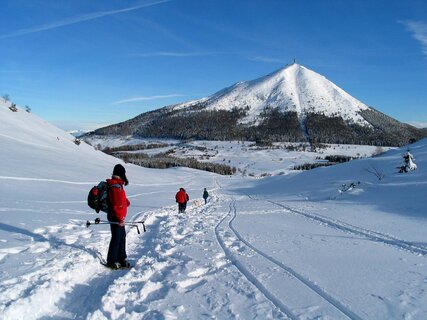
36	145
287	247
293	88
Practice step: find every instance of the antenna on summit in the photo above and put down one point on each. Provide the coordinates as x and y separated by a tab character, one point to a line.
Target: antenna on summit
294	62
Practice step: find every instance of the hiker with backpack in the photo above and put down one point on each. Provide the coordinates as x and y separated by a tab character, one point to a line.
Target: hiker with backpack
181	198
117	210
205	195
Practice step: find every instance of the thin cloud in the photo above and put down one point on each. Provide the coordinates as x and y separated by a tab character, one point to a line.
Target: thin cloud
266	59
80	18
148	98
78	125
418	124
419	32
167	33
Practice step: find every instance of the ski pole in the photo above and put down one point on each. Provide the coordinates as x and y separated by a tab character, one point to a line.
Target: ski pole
126	224
99	221
88	223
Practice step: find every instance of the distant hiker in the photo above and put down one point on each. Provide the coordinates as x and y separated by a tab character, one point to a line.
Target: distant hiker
205	195
182	197
117	211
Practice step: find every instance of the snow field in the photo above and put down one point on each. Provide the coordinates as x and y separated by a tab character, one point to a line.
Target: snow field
248	158
238	256
287	247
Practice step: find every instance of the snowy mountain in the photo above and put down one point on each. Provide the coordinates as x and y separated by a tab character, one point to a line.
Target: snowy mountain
292	104
329	243
291	89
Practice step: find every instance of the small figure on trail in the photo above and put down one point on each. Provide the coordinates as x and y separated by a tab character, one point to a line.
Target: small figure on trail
117	210
205	195
182	197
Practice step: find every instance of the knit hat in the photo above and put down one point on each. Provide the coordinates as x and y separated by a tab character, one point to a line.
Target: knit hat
120	171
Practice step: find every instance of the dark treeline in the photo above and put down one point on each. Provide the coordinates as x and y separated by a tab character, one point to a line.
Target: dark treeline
273	125
164	161
135	147
339	158
309	166
332	160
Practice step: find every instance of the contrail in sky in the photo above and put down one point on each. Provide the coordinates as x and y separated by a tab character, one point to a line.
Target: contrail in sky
148	98
419	32
80	18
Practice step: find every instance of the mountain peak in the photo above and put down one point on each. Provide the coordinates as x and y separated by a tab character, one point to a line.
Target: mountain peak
293	88
289	70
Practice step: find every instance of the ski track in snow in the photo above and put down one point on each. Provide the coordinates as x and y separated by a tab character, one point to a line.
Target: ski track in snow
287	271
248	274
46	180
374	236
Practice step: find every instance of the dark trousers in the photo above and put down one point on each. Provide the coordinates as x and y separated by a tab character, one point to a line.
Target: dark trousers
182	207
117	248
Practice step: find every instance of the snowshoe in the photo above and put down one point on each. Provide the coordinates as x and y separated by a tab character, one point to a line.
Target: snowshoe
118	266
125	265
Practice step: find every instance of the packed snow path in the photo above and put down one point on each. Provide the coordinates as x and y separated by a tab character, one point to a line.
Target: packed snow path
209	263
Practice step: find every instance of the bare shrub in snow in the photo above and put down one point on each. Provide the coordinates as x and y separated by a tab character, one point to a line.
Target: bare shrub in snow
376	172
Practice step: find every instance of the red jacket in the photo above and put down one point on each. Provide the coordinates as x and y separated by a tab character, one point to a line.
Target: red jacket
181	196
117	200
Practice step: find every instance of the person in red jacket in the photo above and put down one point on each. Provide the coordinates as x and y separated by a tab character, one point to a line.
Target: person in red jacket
117	210
182	197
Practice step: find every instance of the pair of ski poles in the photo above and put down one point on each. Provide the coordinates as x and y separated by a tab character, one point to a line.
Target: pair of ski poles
132	224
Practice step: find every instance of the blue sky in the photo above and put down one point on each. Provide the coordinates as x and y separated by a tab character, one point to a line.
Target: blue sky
83	64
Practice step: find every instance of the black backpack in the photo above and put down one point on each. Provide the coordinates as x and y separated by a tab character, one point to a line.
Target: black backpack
97	198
